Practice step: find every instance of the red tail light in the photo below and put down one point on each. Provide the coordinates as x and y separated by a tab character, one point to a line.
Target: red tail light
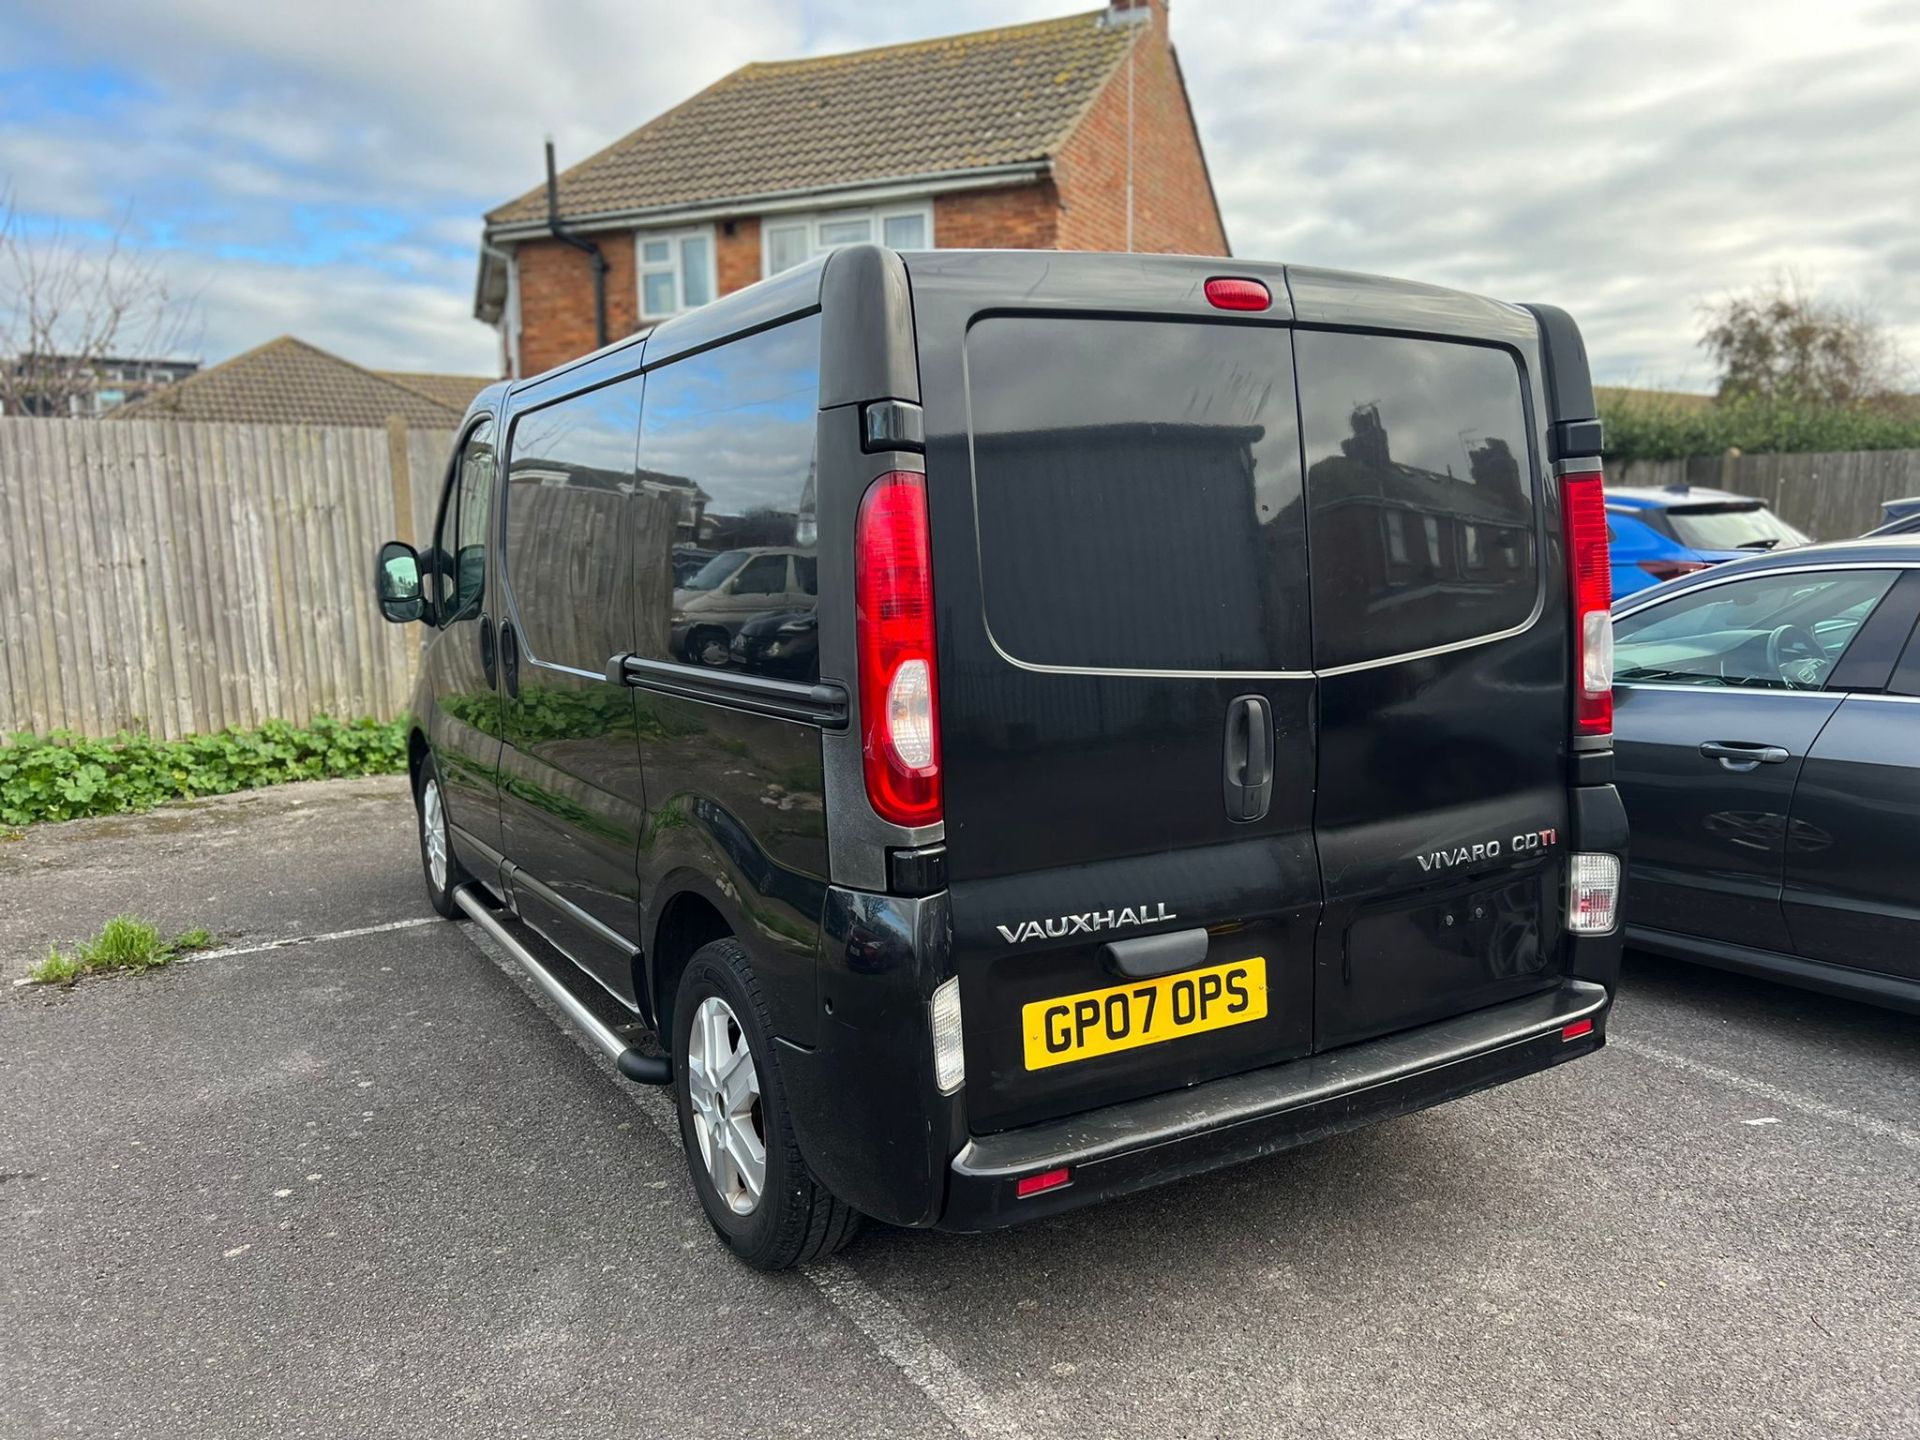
899	697
1672	569
1592	578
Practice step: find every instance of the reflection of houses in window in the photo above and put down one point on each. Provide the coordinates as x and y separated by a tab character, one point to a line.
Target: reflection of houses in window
1477	529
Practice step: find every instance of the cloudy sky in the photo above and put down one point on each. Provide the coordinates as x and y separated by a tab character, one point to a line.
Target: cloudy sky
321	169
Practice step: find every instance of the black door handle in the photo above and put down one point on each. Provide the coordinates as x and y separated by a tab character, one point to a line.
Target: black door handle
486	649
1741	756
510	659
1247	761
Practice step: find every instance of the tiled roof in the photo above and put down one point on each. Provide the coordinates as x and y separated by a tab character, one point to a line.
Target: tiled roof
289	382
455	390
962	102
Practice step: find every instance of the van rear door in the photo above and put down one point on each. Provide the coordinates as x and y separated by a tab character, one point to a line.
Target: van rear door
1441	643
1126	703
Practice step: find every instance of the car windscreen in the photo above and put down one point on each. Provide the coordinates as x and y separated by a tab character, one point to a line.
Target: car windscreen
1732	527
716	572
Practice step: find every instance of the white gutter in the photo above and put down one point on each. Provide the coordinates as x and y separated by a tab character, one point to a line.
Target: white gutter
818	197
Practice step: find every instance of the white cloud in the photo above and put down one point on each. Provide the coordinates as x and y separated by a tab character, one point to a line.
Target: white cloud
1628	161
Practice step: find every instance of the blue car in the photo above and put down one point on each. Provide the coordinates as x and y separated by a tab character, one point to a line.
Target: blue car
1660	534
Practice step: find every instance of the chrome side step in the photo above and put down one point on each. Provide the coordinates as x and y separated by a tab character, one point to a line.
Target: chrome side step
646	1069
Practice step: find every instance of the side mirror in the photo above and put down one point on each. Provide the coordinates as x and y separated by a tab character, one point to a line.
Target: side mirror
396	583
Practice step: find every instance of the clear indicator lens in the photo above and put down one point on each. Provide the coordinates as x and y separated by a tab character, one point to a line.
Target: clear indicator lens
1596	652
949	1056
910	714
1593	894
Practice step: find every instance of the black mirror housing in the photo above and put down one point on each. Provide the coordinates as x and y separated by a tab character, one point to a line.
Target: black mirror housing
396	583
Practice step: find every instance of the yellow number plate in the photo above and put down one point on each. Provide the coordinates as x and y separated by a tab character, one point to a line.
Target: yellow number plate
1145	1012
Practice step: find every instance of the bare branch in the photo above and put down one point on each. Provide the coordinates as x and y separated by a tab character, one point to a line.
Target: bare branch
1782	341
66	306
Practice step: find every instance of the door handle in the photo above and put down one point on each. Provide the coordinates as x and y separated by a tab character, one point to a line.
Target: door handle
487	665
1247	760
1741	756
510	659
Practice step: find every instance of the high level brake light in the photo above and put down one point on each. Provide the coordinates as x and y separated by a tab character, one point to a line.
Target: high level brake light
1592	581
899	693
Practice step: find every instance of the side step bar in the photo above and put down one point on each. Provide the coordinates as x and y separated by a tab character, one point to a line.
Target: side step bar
646	1069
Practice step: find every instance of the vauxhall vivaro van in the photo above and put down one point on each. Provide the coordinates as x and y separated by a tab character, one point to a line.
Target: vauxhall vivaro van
1025	727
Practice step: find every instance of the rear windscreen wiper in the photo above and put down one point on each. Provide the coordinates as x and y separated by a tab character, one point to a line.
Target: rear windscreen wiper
1766	544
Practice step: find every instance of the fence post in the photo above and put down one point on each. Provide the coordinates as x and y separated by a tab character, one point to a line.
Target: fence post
402	469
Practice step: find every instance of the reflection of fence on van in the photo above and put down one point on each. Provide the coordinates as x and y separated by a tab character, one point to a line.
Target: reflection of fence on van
183	577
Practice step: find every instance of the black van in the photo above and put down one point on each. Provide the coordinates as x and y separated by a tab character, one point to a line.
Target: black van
1025	727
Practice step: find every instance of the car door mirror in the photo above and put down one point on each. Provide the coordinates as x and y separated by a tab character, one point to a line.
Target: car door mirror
397	583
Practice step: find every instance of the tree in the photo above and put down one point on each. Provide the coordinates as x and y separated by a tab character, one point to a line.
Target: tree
1779	342
65	306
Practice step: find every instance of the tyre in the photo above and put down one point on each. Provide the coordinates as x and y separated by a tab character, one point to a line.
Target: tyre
709	647
438	863
746	1165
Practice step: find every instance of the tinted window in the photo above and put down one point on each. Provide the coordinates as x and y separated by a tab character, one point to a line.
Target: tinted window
726	468
1137	484
569	560
1772	632
1414	433
457	565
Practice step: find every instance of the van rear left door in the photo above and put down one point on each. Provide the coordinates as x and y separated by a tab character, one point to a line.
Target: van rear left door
1125	710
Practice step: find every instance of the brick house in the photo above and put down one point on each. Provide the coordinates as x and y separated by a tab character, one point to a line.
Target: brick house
1069	134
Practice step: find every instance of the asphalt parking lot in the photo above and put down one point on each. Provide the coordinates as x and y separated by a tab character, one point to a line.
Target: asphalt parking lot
365	1185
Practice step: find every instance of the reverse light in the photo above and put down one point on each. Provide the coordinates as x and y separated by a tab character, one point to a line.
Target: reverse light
899	689
1228	293
949	1049
1036	1184
1591	578
1593	893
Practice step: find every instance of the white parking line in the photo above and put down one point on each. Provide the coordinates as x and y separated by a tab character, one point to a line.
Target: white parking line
928	1368
229	951
1806	1104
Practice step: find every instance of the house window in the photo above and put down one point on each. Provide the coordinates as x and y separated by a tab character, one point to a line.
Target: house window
676	272
790	240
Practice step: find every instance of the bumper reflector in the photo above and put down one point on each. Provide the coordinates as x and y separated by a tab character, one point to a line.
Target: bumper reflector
1046	1180
949	1054
1593	894
1576	1030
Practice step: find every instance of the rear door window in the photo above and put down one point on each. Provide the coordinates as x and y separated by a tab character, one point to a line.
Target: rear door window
1405	438
1137	493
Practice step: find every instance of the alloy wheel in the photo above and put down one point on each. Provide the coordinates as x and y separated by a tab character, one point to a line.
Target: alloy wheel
433	832
724	1087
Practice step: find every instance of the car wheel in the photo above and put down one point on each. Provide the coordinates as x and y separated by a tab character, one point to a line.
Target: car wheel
440	865
709	647
746	1166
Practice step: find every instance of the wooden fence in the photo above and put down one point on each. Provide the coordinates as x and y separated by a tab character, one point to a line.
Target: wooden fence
182	577
1831	497
179	577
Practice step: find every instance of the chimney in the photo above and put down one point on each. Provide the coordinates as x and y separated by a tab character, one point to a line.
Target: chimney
1128	12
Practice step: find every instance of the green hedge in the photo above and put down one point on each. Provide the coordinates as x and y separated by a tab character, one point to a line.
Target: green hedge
62	776
1646	429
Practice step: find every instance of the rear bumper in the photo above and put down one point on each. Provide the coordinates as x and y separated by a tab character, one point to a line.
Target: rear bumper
1149	1142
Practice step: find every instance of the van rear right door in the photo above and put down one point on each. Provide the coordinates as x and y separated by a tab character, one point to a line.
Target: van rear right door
1441	645
1126	703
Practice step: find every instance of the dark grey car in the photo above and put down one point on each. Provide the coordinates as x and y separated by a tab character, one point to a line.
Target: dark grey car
1766	719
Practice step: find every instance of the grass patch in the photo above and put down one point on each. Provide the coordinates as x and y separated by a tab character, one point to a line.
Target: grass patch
66	777
125	942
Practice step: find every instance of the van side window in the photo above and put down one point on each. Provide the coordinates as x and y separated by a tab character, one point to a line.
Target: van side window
727	471
458	565
569	561
1137	487
1434	432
